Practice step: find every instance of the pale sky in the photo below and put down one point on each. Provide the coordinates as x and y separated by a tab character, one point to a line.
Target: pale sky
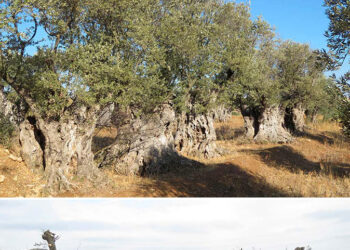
86	224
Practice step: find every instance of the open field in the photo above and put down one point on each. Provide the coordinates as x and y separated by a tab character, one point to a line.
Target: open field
316	164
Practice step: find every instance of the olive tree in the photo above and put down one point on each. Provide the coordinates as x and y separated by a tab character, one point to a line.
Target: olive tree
51	239
338	12
186	34
253	86
301	77
189	35
87	55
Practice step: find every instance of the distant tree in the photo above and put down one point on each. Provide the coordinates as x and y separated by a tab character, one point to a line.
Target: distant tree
305	88
338	12
51	239
303	248
250	80
326	99
50	243
300	76
338	35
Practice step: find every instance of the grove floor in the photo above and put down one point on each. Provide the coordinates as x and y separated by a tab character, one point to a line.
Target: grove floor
314	165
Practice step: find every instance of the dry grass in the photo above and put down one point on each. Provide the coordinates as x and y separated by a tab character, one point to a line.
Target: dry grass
315	165
232	129
20	181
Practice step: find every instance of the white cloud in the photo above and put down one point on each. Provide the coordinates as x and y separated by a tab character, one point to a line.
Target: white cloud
271	224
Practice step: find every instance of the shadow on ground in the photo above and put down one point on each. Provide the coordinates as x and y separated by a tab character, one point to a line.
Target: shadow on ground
319	138
287	157
194	179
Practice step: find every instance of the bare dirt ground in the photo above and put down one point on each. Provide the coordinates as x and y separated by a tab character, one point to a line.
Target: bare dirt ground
314	165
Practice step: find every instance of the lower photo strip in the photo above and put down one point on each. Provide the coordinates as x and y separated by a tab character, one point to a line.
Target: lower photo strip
90	224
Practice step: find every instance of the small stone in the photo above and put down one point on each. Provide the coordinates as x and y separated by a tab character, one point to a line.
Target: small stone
15	178
14	158
7	151
2	178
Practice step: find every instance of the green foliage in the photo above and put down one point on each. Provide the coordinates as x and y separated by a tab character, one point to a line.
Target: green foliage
284	73
345	116
142	53
338	35
248	50
298	73
6	130
325	99
189	37
99	52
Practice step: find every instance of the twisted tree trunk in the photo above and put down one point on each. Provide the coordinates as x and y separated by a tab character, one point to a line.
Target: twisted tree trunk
250	117
30	140
196	135
149	144
143	145
221	113
295	119
299	118
272	126
62	147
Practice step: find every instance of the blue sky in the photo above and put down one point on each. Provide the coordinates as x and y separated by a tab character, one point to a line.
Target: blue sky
206	224
302	21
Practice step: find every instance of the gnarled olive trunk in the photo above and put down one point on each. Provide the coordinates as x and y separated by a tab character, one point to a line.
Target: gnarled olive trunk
65	146
272	125
221	113
295	119
299	118
110	116
149	144
143	145
30	140
196	135
250	117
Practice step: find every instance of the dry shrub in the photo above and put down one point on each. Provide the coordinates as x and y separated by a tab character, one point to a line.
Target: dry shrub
225	132
6	130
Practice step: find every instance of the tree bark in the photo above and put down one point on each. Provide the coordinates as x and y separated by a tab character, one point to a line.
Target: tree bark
250	117
299	118
150	144
295	119
144	145
106	116
65	146
221	113
272	126
31	151
196	136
